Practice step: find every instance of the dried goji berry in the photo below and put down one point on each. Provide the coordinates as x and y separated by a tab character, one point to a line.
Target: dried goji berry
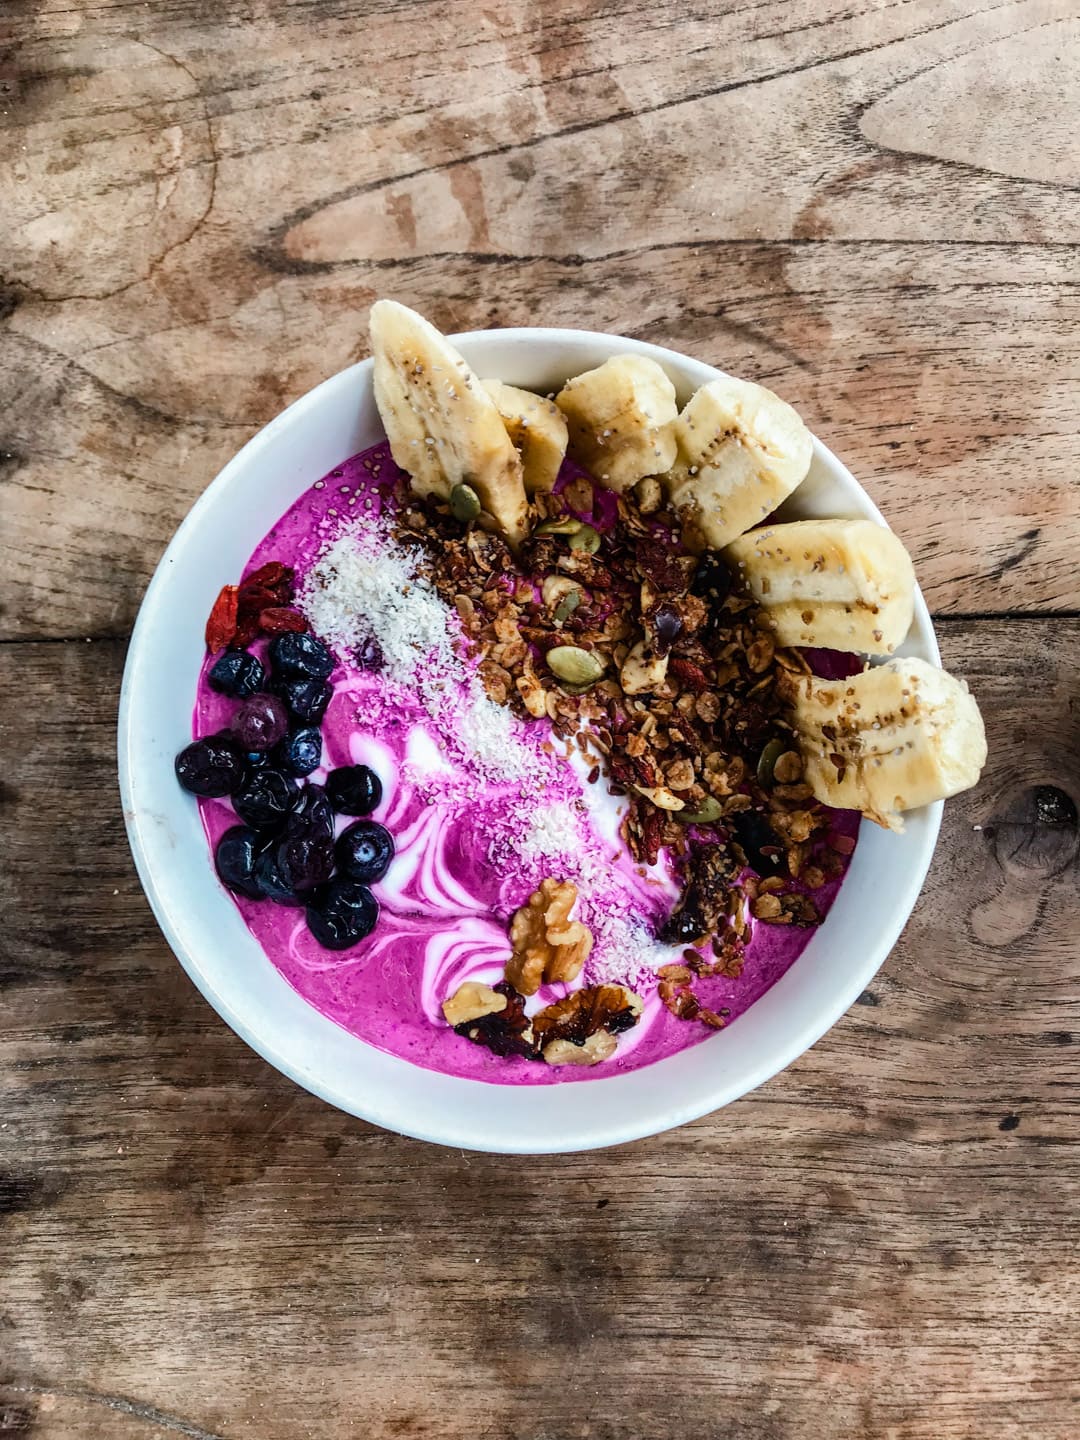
255	599
280	621
690	676
270	575
221	624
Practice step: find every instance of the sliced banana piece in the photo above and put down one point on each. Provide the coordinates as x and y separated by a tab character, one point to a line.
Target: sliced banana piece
442	425
897	736
537	428
840	584
620	417
741	450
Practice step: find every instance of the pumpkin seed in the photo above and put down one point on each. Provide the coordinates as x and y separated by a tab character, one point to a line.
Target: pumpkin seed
574	665
566	526
567	605
464	503
707	813
767	764
585	538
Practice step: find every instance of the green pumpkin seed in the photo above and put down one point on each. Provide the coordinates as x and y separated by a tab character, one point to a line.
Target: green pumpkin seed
767	764
464	503
707	813
575	666
585	539
566	526
567	605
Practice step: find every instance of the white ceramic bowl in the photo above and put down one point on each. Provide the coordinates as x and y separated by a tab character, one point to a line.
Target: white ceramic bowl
205	930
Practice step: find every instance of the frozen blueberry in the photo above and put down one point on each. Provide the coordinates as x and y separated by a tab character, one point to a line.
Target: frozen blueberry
301	752
364	851
305	860
265	799
307	699
354	790
763	848
213	766
235	859
341	913
236	673
300	657
271	882
311	811
260	722
369	655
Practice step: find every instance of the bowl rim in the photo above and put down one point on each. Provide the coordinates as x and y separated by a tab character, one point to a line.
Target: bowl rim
679	1109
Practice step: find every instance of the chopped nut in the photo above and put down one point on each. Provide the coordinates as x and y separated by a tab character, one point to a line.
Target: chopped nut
601	1045
649	495
660	796
788	768
548	946
584	1012
766	907
641	672
470	1001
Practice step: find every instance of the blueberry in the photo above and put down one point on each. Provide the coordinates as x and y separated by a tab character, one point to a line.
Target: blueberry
305	860
712	583
235	858
369	655
301	752
712	580
265	799
259	760
341	913
271	882
236	673
763	848
213	766
300	657
354	790
260	722
307	699
311	811
364	851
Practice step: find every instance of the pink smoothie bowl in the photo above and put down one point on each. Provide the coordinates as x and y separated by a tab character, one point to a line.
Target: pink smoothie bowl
208	935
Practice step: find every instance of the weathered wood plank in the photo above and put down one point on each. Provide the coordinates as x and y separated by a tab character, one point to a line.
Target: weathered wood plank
881	1241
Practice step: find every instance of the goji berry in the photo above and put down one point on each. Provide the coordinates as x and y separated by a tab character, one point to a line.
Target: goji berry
221	624
279	620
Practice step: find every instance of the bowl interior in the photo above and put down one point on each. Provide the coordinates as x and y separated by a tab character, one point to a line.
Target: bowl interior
228	965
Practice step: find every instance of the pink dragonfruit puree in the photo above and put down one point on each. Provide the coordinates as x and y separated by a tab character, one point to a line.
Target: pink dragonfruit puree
464	860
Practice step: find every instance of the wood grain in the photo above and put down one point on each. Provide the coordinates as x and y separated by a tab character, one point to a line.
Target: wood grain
874	207
203	204
879	1242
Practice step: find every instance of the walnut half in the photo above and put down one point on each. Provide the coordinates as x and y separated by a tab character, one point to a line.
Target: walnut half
548	946
581	1029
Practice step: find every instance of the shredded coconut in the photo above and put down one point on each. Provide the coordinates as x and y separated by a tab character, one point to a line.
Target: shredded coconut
367	586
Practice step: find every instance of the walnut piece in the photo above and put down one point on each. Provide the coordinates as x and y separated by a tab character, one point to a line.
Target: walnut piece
471	1001
600	1045
548	945
584	1012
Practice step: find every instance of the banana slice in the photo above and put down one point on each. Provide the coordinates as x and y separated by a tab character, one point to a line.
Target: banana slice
442	425
897	736
537	428
741	450
620	417
841	584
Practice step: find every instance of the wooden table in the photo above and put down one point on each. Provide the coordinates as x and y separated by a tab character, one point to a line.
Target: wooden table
875	209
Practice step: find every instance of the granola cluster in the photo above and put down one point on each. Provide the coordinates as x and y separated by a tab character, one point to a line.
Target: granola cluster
660	669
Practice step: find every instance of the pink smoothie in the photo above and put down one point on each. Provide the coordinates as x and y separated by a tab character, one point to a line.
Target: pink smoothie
472	843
